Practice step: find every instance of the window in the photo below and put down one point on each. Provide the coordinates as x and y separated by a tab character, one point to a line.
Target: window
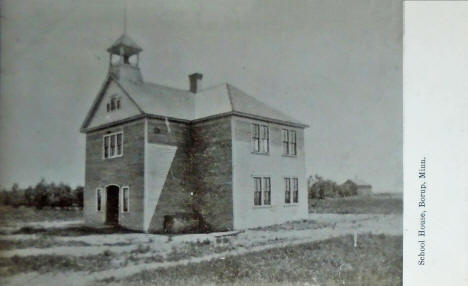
287	190
125	199
266	191
285	136
289	142
262	191
258	191
119	144
292	142
256	137
113	104
291	185
260	138
295	190
113	145
98	200
264	139
106	146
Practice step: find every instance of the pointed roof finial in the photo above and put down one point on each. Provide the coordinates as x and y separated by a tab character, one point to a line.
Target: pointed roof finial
124	46
125	18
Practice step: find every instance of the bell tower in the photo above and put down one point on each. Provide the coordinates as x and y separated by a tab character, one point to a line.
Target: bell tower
124	56
124	59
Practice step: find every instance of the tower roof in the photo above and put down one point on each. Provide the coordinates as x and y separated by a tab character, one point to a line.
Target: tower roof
124	46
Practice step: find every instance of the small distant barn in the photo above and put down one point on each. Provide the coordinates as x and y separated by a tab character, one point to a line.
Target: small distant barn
363	188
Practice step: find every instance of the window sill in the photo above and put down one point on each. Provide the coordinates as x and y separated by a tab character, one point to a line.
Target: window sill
261	153
262	207
115	157
291	205
290	156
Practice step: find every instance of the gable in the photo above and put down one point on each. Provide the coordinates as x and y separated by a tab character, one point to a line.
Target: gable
101	116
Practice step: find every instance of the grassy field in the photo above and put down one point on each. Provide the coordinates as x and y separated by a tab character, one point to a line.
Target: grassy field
49	245
377	260
373	204
11	216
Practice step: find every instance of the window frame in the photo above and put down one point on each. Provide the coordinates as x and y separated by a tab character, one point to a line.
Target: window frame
285	141
257	200
122	209
260	139
116	149
293	189
288	143
99	199
287	190
114	103
255	138
265	190
292	142
261	199
264	138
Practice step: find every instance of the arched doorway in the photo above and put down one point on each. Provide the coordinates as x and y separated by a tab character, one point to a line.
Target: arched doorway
112	205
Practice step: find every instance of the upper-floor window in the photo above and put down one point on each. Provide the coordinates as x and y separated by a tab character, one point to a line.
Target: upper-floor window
262	191
289	142
113	146
113	104
291	187
260	138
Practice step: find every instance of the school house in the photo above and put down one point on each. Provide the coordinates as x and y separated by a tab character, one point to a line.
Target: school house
154	151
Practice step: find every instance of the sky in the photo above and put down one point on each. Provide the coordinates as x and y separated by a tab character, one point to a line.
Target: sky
334	65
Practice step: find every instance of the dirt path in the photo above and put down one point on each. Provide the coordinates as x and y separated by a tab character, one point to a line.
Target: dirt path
331	225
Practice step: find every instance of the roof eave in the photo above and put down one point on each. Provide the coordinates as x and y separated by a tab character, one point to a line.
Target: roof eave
132	50
251	116
111	124
272	120
133	118
95	102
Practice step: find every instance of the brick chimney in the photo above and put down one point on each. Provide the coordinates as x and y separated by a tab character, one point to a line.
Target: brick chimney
195	82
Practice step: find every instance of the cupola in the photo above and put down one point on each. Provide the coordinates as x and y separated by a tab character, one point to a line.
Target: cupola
124	59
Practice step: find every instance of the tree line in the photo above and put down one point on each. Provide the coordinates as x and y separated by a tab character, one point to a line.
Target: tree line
50	194
42	195
320	188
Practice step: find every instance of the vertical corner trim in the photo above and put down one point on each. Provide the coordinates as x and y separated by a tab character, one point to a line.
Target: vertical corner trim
234	205
145	179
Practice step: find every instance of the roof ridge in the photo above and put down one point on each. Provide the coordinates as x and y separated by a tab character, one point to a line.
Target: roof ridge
162	85
212	87
228	88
